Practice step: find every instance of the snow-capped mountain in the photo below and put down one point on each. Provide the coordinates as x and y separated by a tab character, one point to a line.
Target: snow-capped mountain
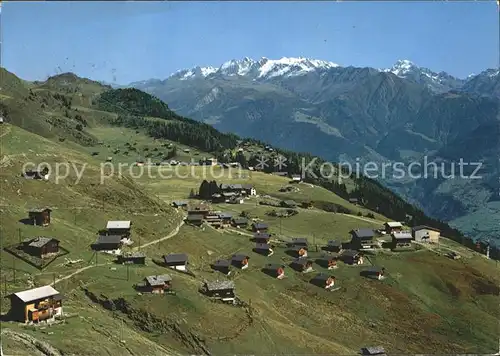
437	82
262	69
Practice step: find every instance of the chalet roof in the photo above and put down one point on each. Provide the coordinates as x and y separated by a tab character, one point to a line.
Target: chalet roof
175	258
394	224
40	241
350	253
298	248
225	215
240	220
118	224
301	261
260	225
373	350
109	239
260	246
289	202
239	257
322	277
247	186
296	176
273	266
299	241
222	263
36	293
194	217
334	243
424	227
219	285
158	280
405	235
262	235
328	256
375	269
39	210
363	233
230	186
180	203
135	254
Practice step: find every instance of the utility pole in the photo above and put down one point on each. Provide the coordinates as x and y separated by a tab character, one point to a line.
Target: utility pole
488	249
128	275
281	218
19	233
54	279
14	268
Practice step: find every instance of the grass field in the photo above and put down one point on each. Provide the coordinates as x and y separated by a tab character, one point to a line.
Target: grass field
427	304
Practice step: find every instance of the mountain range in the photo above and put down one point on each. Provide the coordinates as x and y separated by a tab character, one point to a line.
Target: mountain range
405	114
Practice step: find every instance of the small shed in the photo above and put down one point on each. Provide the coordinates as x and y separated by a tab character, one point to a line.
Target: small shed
261	237
179	204
195	219
401	240
226	217
328	260
41	246
260	227
177	261
288	204
334	246
220	290
393	226
136	258
39	216
263	249
352	257
240	261
373	351
323	280
240	222
374	273
119	227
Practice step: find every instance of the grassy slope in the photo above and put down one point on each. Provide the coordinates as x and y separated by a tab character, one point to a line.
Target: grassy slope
427	304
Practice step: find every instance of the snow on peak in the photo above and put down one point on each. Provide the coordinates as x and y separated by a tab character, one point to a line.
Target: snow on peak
402	67
262	68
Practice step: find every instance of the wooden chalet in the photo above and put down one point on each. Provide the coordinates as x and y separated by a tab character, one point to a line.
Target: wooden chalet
334	246
260	227
244	189
226	217
223	266
299	251
323	280
239	222
157	284
108	243
288	204
328	260
373	351
352	257
39	216
201	209
424	233
177	261
34	305
136	258
263	249
194	219
41	247
261	237
217	198
401	240
302	265
393	226
275	270
220	290
214	220
42	174
363	239
374	273
240	261
353	201
117	227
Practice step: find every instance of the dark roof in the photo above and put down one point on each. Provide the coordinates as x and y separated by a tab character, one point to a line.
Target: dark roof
158	280
239	257
322	277
363	233
222	263
260	246
240	220
328	256
353	199
180	203
424	227
298	248
402	235
109	239
175	257
301	261
247	186
350	253
274	266
225	215
40	241
230	186
375	269
289	202
374	350
334	243
299	240
194	217
136	254
260	225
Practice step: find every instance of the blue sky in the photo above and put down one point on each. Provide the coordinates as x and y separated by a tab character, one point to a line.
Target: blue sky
129	41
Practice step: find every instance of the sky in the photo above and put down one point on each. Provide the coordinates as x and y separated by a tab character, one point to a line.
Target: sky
122	42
